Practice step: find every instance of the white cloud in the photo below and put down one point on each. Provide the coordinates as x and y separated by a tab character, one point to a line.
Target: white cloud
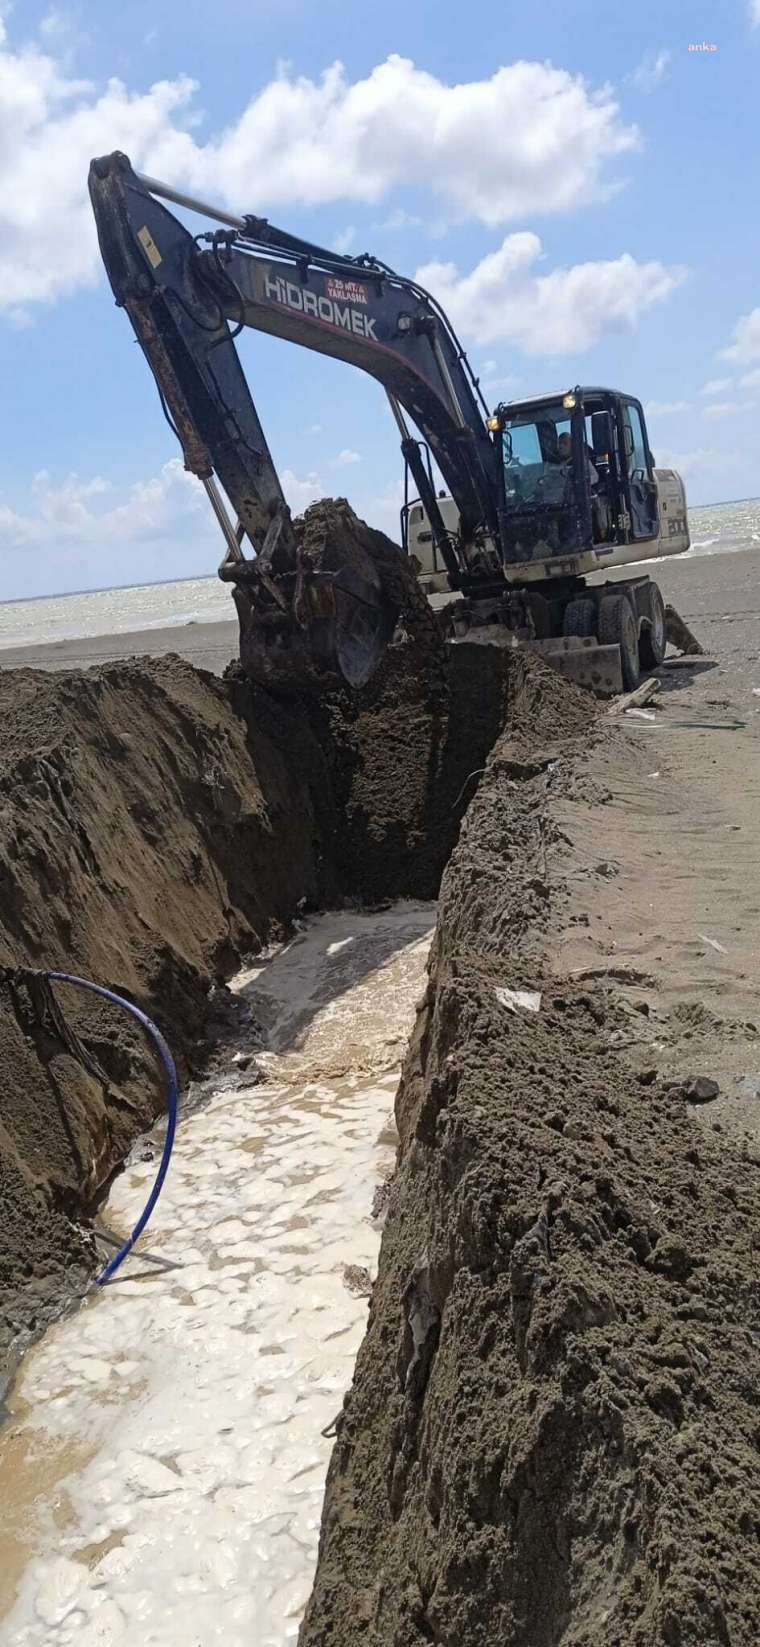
50	126
727	408
754	13
399	219
345	458
704	460
746	338
504	299
299	493
70	512
665	408
493	379
314	429
383	509
716	386
81	516
751	380
54	24
652	70
506	386
344	240
307	140
529	138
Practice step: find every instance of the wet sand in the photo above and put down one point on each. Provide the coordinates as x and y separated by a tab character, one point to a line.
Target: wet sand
163	1468
719	596
575	1238
707	590
206	645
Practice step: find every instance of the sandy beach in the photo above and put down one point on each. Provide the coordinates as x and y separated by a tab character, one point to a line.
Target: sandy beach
718	593
206	645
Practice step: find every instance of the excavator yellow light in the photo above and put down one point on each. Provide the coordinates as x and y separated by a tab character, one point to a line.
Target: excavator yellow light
569	401
493	425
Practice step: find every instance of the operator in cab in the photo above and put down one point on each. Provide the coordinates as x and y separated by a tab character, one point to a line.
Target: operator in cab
565	452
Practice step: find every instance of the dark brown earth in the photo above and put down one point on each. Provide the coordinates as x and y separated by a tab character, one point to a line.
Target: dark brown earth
156	824
405	756
141	844
552	1435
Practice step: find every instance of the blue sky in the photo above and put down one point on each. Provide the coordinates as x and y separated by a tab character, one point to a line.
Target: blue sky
576	185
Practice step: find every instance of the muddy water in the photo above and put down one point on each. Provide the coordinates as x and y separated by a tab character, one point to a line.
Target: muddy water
161	1477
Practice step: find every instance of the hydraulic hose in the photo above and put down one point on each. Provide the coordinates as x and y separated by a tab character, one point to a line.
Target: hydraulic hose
172	1094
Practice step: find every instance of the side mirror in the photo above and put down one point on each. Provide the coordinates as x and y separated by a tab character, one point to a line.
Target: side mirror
601	436
628	438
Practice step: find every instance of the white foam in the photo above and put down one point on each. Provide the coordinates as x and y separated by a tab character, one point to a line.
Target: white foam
202	1393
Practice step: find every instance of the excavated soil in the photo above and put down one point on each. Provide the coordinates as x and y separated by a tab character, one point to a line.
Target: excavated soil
552	1433
551	1438
141	834
157	824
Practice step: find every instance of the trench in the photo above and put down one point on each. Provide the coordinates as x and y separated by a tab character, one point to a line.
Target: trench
165	1459
550	1436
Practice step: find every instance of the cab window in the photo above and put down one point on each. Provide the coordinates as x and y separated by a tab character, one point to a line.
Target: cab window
534	473
525	447
635	443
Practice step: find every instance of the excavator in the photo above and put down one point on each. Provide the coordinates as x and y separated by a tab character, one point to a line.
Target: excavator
541	493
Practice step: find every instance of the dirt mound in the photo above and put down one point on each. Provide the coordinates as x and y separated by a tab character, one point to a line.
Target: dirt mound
352	586
332	536
552	1432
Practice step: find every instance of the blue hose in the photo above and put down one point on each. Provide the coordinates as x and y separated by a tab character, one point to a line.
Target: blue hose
172	1094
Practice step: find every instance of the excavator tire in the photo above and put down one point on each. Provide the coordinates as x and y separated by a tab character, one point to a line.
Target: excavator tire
580	617
618	626
653	639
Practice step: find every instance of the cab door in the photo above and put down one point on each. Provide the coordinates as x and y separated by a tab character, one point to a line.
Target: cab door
642	487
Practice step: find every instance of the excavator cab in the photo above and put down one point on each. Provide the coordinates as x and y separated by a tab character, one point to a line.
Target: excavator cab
577	474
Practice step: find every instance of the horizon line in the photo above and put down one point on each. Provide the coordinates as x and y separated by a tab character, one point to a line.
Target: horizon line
207	577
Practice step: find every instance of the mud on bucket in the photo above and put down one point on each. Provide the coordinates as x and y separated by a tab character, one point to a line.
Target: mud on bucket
337	614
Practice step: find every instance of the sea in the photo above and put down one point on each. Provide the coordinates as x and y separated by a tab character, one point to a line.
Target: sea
718	528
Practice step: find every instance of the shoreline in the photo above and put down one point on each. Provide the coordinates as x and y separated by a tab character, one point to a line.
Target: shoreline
206	645
699	587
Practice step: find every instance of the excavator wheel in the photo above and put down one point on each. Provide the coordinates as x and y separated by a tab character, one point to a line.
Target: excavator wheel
618	625
653	638
580	617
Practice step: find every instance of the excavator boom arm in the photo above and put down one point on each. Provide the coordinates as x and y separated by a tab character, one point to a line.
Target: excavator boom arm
183	295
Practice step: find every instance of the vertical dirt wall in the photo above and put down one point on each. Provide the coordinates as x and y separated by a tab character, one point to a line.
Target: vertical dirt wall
148	837
551	1438
155	825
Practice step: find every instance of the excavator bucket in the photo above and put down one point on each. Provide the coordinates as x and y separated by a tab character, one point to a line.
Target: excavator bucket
314	603
330	621
339	637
